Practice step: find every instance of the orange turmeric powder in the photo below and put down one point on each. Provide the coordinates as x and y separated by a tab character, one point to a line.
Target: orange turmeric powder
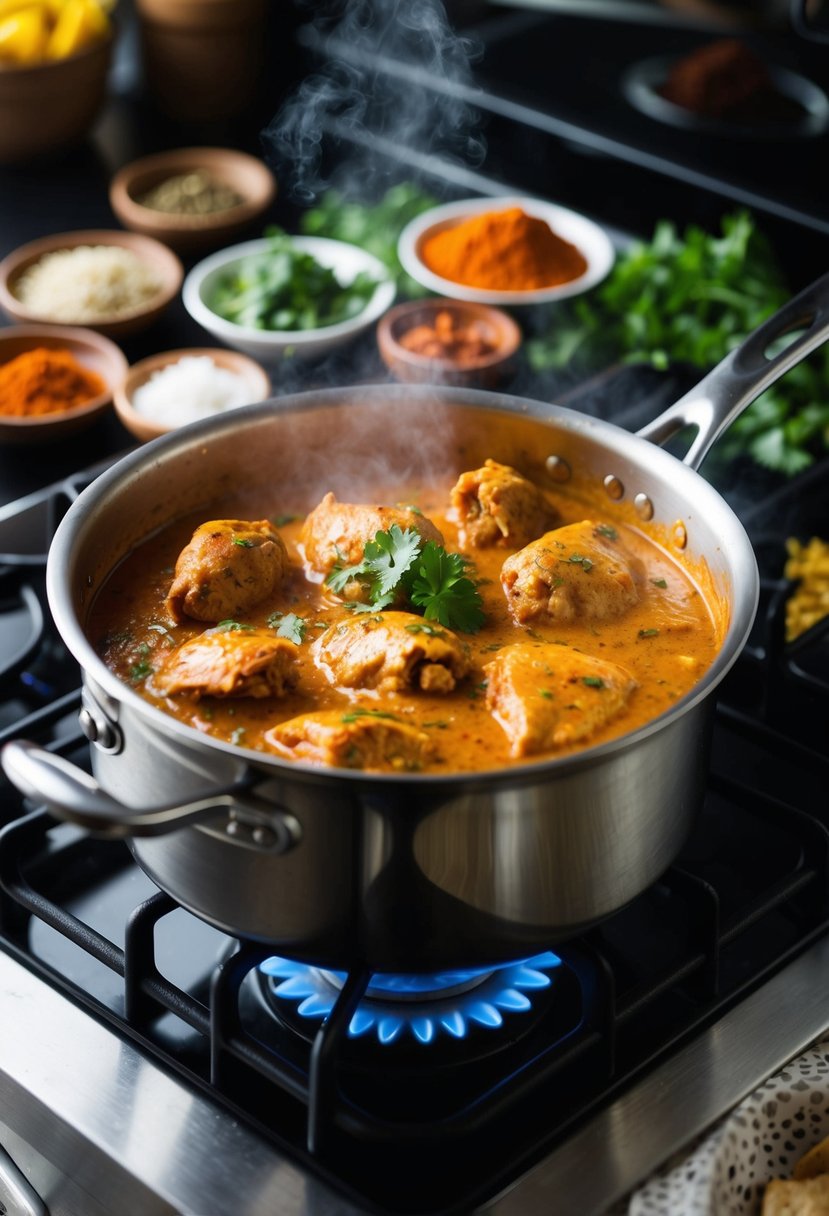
503	251
43	381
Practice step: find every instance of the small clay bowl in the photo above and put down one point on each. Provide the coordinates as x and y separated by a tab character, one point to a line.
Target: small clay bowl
166	265
145	428
481	372
48	107
247	176
90	349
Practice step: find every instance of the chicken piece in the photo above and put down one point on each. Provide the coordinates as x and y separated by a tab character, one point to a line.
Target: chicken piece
229	663
496	505
579	572
392	651
228	566
337	531
353	738
549	696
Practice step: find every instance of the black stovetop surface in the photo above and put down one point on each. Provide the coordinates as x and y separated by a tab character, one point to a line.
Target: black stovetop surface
747	894
455	1118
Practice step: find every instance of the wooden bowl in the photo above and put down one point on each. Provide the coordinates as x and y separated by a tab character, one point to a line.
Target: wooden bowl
89	348
145	428
165	264
483	371
47	107
247	176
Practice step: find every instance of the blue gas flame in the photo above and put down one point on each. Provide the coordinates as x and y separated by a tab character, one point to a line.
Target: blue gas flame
427	1005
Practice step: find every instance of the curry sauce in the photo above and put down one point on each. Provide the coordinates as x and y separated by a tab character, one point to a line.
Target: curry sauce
662	643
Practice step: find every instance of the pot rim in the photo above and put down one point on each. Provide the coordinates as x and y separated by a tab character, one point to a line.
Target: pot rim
743	595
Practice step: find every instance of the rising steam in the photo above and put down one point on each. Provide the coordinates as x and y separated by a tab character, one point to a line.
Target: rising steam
355	97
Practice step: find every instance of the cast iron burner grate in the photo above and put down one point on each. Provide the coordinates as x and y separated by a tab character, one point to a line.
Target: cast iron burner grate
747	895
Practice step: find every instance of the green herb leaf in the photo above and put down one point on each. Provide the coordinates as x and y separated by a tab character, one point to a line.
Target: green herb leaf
593	681
606	531
279	521
286	288
354	714
432	579
230	627
243	542
140	671
429	630
441	588
375	227
659	582
648	633
291	627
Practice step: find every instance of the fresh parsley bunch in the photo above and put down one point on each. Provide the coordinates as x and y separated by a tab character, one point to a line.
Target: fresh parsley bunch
397	564
374	227
690	298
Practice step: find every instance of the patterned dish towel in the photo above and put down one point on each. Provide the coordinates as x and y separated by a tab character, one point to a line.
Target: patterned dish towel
761	1139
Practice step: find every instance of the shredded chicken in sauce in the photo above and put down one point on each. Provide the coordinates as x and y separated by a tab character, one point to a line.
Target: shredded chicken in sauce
589	629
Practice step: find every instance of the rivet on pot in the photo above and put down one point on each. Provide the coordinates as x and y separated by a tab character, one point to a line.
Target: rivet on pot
644	506
679	535
614	487
99	730
558	468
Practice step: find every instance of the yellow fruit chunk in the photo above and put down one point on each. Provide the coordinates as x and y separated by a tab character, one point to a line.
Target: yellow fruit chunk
23	36
68	34
96	20
79	23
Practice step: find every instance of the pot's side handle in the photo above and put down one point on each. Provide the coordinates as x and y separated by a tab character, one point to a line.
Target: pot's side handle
721	396
71	794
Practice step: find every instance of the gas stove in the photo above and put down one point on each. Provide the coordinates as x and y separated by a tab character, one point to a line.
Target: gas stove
150	1064
139	1034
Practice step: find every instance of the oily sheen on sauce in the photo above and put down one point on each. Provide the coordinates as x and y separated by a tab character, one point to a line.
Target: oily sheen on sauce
665	642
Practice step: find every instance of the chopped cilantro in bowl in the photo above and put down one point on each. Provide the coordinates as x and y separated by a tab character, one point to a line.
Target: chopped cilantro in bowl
284	295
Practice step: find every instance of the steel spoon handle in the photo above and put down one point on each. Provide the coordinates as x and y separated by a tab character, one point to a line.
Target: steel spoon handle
746	372
71	794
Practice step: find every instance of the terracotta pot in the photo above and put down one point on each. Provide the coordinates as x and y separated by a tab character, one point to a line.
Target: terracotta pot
201	57
46	107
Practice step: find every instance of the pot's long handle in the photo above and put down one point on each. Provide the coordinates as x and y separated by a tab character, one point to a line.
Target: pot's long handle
745	373
71	794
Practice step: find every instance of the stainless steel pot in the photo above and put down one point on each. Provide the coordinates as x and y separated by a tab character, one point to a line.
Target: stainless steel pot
404	872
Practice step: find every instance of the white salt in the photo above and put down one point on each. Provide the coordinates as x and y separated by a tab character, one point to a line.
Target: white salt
193	388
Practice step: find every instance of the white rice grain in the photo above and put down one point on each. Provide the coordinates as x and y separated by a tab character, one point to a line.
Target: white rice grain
87	284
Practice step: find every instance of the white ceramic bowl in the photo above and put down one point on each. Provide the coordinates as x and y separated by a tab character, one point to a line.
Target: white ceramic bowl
589	238
269	345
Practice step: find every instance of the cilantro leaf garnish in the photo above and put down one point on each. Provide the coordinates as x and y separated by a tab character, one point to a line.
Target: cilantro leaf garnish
593	681
429	630
440	587
291	627
385	560
430	578
354	714
230	627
